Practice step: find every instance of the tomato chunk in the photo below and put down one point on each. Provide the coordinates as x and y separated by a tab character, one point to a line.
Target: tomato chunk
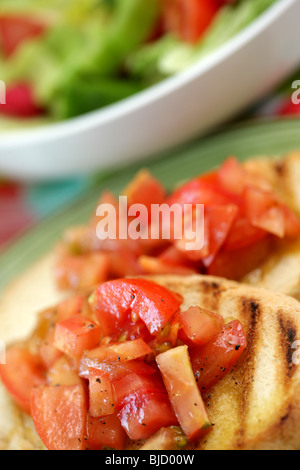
113	301
59	415
200	325
20	102
189	19
82	271
105	433
62	373
214	360
75	335
184	394
102	396
16	29
133	383
144	414
21	373
116	370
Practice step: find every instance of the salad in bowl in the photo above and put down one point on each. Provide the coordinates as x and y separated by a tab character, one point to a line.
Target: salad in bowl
63	59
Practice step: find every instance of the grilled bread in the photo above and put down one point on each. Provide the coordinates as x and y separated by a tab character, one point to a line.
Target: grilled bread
257	406
281	271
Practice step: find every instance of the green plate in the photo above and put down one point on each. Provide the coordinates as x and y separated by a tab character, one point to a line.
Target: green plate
244	141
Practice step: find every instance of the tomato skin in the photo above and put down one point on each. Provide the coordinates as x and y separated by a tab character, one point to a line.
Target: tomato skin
59	415
105	433
116	370
21	373
75	335
20	102
214	360
200	325
144	414
184	394
113	301
189	19
134	383
16	29
235	264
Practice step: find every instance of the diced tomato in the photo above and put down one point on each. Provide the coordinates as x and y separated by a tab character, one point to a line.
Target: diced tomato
76	335
21	373
184	394
264	211
214	360
117	353
102	395
15	30
243	234
75	305
145	190
20	102
62	373
113	301
48	353
82	271
237	263
200	325
152	265
134	383
59	415
189	19
116	370
203	190
105	433
144	414
232	176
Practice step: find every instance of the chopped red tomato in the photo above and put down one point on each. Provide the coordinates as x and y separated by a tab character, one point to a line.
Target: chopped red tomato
214	360
20	102
184	394
134	383
189	19
264	211
105	433
146	190
102	395
76	335
200	325
232	176
144	414
152	265
113	301
59	415
117	353
21	373
62	373
15	30
237	263
82	271
116	370
75	305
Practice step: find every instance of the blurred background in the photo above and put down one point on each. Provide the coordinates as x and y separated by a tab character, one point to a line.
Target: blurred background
92	85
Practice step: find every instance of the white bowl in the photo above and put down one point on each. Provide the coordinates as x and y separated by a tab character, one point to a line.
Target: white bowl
168	114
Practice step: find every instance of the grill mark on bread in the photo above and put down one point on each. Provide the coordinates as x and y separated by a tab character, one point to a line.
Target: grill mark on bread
212	292
251	316
287	332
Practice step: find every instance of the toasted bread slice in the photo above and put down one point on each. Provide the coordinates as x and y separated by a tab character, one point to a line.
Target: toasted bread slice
281	271
257	406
